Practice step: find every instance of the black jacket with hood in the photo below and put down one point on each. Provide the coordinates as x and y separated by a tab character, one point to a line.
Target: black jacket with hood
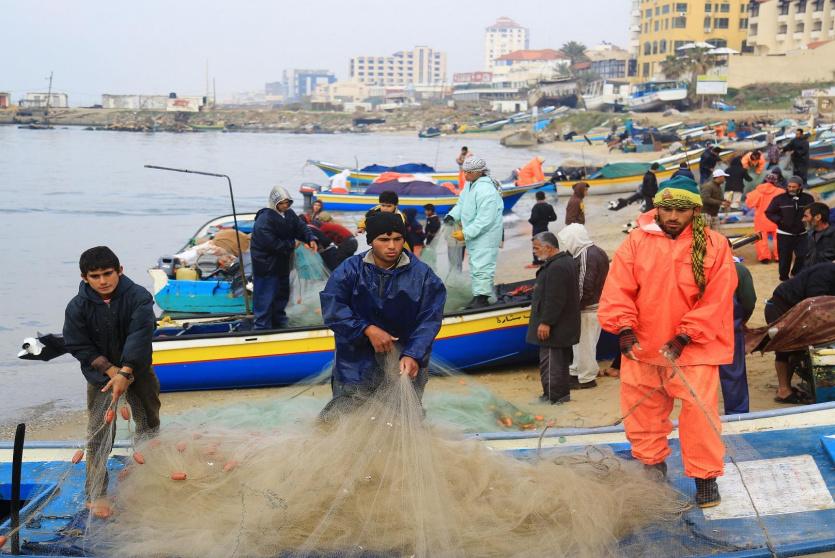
273	240
118	333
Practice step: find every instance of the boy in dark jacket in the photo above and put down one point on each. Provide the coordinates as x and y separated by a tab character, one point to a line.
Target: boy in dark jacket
542	213
555	317
735	184
433	222
274	236
649	186
371	301
786	210
108	327
799	148
707	162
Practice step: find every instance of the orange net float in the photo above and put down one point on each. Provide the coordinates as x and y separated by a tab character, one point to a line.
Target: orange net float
178	476
77	456
230	465
109	416
181	446
139	458
125	412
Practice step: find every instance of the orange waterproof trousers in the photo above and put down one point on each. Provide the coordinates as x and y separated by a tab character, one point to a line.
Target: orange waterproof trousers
648	424
765	253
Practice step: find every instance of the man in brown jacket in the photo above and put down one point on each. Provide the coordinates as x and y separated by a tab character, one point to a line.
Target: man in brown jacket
575	209
713	199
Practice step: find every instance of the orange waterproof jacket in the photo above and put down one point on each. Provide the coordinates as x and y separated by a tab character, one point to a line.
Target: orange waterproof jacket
758	166
759	199
531	173
651	289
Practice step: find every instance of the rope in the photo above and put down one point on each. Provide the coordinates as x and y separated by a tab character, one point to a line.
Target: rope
716	429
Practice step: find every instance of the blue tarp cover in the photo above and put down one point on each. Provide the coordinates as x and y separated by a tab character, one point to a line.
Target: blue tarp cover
406	168
414	188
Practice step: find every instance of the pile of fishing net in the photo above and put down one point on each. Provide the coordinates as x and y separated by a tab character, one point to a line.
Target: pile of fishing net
309	276
376	480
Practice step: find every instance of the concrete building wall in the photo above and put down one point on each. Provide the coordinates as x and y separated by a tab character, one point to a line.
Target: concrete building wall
38	100
134	102
503	37
665	25
5	100
778	26
420	66
799	66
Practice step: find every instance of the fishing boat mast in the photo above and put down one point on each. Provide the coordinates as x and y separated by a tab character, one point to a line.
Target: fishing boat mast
48	98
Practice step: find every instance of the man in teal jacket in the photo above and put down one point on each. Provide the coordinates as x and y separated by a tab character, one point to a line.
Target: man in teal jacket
479	210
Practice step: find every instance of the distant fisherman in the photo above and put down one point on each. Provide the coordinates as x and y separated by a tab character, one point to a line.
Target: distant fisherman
373	300
479	210
275	233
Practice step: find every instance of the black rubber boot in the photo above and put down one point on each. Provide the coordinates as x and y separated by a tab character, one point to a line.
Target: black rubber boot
707	493
478	301
657	471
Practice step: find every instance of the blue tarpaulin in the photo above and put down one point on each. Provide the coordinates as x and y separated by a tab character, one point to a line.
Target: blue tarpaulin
405	168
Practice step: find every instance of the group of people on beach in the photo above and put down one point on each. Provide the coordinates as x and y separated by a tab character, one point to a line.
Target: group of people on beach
672	294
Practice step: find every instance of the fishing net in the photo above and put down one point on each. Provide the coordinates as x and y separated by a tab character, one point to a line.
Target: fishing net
378	480
307	279
445	256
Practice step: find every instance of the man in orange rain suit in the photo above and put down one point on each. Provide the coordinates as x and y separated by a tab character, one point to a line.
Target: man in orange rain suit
531	173
759	199
669	295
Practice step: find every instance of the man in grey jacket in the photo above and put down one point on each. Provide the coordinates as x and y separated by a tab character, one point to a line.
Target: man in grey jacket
555	317
592	266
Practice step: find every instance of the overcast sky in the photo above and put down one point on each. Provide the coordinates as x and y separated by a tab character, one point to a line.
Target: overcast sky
157	46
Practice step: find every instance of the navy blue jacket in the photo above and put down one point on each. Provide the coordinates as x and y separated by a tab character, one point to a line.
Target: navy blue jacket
274	239
101	335
407	302
684	172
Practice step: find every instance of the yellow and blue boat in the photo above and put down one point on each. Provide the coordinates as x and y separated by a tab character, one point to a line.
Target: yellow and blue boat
215	355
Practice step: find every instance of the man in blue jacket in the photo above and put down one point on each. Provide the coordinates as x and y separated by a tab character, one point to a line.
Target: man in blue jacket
479	210
274	236
373	300
108	327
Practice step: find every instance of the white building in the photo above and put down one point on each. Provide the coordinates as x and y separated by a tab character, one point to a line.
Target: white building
422	65
134	102
38	100
524	66
778	27
503	37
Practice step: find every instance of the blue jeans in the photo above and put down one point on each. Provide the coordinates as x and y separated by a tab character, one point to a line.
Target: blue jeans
269	299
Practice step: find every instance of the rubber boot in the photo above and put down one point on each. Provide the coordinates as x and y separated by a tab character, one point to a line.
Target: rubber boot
657	471
707	493
478	301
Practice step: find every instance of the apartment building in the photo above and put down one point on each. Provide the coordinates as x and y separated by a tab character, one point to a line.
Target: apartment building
666	25
503	37
781	26
420	66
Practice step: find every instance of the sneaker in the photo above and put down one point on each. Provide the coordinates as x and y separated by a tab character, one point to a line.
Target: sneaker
707	493
587	385
658	470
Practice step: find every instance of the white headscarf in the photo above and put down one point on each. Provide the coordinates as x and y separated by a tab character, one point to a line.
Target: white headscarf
575	240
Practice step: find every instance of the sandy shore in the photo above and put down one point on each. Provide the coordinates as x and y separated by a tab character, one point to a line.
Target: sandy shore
520	386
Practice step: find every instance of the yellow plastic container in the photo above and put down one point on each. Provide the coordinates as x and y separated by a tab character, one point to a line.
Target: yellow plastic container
186	274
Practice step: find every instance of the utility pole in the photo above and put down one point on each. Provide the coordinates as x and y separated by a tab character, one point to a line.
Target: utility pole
214	94
48	98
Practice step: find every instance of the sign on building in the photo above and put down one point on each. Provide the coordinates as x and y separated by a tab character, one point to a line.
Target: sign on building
472	77
712	85
184	104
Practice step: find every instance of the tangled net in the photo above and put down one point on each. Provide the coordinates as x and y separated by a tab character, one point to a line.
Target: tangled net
376	480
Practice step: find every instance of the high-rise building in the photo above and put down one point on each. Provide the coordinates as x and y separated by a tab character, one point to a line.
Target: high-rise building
781	26
420	66
667	25
503	37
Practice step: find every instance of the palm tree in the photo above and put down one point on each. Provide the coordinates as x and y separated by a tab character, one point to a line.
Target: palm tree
576	52
693	63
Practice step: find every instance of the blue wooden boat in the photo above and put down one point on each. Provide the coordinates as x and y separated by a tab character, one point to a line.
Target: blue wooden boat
785	461
366	175
511	194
